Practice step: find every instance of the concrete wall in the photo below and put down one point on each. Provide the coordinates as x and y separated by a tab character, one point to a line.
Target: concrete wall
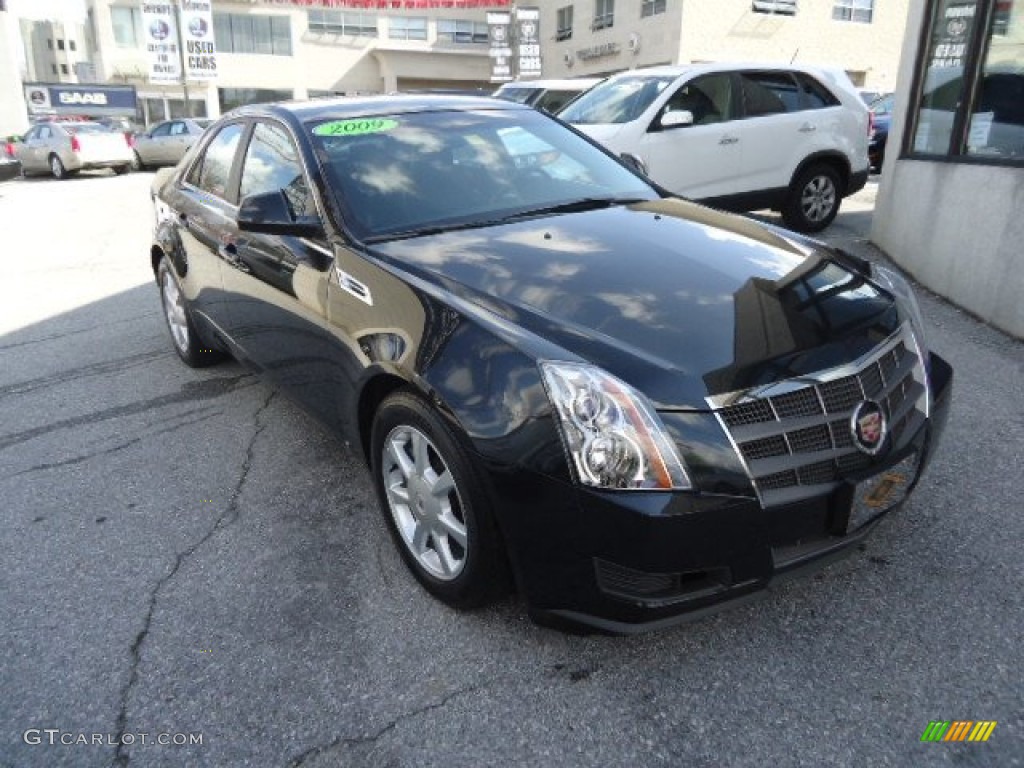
724	30
957	228
13	114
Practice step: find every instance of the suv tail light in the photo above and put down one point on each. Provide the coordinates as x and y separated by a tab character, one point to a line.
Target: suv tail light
129	138
76	145
9	149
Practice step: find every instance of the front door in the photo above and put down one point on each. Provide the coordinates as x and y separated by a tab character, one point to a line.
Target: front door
703	159
277	285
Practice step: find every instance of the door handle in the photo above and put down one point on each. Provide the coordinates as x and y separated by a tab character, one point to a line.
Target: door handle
728	140
808	128
229	253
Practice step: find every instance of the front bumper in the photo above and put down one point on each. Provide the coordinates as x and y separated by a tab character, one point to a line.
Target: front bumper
629	562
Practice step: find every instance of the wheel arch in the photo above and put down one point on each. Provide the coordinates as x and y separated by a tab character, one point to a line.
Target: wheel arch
836	160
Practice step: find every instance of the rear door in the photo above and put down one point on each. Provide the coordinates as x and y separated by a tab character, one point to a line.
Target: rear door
26	150
179	142
205	205
778	130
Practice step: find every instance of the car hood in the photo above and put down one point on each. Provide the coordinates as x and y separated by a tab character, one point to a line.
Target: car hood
678	300
602	133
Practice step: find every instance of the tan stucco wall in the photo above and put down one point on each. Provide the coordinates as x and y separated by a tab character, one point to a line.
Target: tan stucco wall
728	30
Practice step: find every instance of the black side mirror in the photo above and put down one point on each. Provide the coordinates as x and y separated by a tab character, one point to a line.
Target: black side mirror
270	214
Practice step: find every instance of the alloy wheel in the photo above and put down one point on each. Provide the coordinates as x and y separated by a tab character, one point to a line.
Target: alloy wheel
424	502
174	310
818	198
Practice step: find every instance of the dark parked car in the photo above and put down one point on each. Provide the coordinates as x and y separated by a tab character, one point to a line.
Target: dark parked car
881	117
629	406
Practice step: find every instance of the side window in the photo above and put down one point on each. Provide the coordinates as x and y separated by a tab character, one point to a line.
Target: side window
32	134
272	163
164	129
211	173
552	100
45	132
709	98
816	95
769	93
178	129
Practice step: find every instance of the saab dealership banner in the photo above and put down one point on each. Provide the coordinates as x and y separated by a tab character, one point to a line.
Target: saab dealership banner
197	38
85	100
161	42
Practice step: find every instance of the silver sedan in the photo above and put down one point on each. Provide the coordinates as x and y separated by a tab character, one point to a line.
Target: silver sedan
66	148
167	142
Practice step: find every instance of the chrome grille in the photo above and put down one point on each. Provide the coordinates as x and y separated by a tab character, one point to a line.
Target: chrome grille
798	443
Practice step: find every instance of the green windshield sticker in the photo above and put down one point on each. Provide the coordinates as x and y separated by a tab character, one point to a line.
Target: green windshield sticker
355	127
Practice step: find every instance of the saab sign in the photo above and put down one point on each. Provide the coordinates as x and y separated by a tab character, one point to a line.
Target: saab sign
88	100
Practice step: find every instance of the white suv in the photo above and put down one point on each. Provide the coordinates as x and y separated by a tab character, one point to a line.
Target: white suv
740	137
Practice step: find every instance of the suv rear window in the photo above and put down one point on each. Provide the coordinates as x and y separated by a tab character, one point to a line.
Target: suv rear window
816	95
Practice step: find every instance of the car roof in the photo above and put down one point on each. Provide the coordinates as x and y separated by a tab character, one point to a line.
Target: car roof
363	106
678	70
570	83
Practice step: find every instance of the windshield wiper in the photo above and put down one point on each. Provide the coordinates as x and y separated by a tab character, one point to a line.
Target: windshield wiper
572	206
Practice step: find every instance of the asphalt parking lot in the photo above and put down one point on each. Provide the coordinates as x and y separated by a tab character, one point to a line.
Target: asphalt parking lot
189	555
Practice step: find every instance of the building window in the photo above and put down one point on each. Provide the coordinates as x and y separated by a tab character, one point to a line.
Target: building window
783	7
64	69
853	10
49	43
461	31
242	33
72	46
60	44
404	28
563	29
341	23
54	68
239	97
970	102
126	23
604	14
651	7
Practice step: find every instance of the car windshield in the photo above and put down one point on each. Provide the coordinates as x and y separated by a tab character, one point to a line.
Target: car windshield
408	174
618	100
85	128
518	95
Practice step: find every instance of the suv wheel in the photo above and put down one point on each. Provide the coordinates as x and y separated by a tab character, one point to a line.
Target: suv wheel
813	199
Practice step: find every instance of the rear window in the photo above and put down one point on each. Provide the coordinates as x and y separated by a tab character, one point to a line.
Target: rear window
85	128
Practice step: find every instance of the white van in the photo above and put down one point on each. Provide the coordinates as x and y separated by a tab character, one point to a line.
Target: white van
737	136
549	95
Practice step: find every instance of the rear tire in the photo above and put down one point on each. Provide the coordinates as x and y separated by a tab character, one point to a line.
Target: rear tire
120	170
434	504
191	348
813	199
137	164
57	168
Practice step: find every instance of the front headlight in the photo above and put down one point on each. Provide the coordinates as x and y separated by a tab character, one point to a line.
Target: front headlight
896	284
614	437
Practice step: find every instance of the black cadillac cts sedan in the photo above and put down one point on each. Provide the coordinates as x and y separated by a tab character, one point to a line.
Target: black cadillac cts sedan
630	407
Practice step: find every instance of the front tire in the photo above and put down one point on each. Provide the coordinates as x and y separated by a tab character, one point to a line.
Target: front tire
57	168
813	199
193	351
434	504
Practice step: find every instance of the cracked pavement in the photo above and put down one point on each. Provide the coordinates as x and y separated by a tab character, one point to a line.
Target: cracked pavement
188	552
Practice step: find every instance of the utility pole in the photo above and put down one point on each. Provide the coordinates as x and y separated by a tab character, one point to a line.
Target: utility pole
181	56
